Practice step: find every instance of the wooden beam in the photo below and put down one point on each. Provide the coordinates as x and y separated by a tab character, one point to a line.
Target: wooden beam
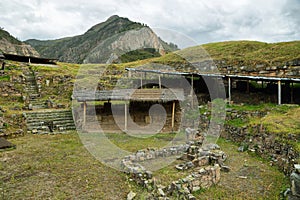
173	115
279	92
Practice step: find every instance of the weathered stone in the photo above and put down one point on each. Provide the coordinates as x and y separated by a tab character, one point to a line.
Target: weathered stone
212	146
202	161
295	184
131	195
149	174
189	164
161	192
225	168
191	197
186	190
241	148
263	72
180	167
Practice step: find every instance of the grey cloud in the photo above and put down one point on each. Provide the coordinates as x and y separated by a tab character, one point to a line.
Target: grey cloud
204	21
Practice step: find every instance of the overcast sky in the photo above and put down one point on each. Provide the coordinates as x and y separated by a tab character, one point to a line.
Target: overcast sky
202	20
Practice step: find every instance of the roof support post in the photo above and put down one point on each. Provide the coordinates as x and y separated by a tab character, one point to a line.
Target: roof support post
279	92
84	115
141	80
129	74
248	87
125	116
192	91
229	90
173	115
159	81
292	92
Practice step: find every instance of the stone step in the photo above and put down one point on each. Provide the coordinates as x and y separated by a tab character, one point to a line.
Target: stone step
48	115
38	107
38	122
48	118
55	127
28	85
34	122
46	129
33	90
49	112
37	102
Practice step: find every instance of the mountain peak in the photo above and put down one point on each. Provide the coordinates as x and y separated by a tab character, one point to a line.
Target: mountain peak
102	42
113	17
114	22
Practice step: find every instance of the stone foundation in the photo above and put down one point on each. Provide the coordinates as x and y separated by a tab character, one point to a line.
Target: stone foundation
206	161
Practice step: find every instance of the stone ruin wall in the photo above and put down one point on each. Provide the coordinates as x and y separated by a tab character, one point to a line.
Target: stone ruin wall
11	123
280	69
207	162
257	139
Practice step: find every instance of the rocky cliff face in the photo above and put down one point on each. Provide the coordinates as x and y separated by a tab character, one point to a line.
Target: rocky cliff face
10	45
112	48
103	43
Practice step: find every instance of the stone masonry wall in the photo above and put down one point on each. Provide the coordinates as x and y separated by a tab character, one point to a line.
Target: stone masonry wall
257	139
208	161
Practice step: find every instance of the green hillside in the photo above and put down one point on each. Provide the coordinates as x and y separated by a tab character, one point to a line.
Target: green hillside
5	35
238	52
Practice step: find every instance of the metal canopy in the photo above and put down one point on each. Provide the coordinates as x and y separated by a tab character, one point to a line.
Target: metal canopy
267	78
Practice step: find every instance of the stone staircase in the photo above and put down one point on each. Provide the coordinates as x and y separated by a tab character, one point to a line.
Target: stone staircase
49	121
31	88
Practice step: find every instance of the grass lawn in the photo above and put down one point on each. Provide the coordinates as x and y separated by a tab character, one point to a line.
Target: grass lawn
59	167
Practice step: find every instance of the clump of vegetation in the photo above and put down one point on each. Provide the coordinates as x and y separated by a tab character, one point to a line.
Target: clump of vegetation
5	35
283	121
139	54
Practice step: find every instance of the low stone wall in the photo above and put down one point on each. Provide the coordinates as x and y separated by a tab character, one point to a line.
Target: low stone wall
11	125
282	69
11	85
257	139
208	161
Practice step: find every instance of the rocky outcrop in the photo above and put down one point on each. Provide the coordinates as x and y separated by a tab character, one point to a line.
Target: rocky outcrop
111	49
10	45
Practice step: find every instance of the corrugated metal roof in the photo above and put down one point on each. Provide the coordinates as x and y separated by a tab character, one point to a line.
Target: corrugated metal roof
219	75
